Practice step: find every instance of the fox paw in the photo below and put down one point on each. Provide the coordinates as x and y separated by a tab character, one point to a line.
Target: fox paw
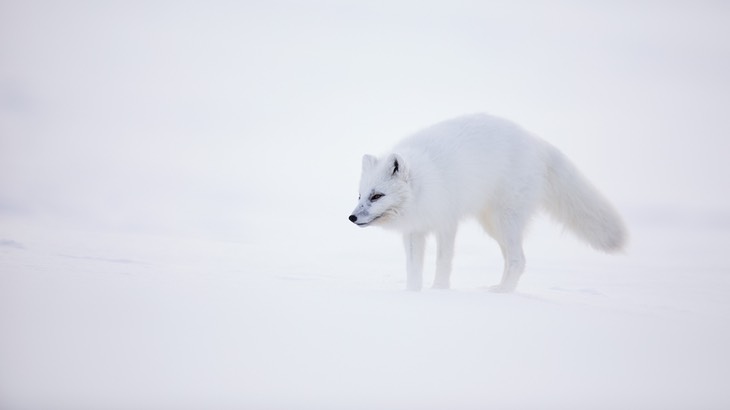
440	286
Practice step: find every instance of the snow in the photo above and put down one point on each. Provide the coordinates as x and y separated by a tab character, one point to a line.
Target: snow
175	180
135	321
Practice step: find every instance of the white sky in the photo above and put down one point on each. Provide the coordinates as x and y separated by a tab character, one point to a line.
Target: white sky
201	116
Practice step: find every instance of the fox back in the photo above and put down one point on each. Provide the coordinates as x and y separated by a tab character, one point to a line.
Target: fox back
446	172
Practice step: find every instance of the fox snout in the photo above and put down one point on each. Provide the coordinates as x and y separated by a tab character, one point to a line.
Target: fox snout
359	222
360	217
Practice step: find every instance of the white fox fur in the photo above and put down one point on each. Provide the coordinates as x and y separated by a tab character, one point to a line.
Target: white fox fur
486	167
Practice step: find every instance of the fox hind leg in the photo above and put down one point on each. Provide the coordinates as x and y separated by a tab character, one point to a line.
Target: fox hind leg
514	264
507	228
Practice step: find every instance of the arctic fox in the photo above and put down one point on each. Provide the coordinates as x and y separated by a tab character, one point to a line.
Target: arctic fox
485	167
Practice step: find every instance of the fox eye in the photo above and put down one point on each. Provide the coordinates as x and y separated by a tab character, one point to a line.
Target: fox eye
375	197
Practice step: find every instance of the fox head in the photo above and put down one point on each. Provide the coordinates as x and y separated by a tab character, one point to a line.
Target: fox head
384	190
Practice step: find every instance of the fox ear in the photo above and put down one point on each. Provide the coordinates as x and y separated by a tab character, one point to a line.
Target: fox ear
397	166
368	162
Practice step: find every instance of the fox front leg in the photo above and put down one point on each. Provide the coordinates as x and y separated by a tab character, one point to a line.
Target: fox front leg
444	256
415	244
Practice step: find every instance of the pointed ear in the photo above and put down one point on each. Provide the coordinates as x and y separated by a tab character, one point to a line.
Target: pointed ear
397	166
368	162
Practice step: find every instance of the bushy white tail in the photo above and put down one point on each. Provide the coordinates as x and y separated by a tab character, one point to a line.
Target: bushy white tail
572	200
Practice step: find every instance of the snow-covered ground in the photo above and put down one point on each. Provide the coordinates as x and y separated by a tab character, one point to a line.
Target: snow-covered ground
94	320
175	179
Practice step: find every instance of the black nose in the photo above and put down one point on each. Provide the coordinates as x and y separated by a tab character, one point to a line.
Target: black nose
353	218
